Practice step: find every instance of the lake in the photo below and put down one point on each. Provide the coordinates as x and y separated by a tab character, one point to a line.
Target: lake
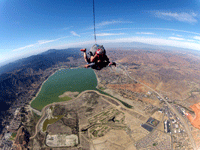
79	80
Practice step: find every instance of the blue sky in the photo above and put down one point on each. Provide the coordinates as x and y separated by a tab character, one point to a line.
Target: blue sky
33	26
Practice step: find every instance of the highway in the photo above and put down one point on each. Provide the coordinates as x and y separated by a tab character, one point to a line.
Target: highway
182	120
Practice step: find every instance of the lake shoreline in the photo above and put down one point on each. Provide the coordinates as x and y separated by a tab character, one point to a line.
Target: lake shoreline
43	84
80	84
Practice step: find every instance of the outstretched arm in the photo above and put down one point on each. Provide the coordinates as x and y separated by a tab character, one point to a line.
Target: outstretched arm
89	65
109	63
92	59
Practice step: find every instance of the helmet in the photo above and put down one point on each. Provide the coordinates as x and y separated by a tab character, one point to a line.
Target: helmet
96	47
100	52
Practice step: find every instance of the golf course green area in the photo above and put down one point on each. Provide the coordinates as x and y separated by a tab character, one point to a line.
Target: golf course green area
74	80
51	121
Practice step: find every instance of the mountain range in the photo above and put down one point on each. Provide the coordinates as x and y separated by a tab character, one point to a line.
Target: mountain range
20	80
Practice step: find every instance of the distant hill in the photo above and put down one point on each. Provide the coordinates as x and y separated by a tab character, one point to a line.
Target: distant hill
41	61
23	72
20	80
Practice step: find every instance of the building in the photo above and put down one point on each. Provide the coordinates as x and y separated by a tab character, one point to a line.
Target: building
167	126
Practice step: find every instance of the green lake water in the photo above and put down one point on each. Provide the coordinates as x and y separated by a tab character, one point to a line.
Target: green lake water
80	79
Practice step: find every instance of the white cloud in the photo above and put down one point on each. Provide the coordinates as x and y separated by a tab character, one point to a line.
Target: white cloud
45	41
106	23
40	42
187	43
176	38
75	34
165	29
190	40
157	41
76	44
49	41
2	57
196	37
177	34
174	30
152	41
182	17
109	34
68	28
148	33
22	48
118	29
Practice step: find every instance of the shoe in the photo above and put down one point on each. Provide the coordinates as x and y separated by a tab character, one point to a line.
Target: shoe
112	63
83	50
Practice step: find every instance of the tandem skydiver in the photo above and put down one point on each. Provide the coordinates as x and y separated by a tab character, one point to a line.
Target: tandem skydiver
97	58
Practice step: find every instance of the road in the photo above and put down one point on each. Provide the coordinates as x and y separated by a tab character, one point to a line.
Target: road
71	101
182	120
170	107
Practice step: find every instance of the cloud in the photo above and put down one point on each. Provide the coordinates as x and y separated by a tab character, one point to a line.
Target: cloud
182	17
145	40
45	41
76	44
22	48
190	40
189	44
156	41
109	34
68	28
165	29
177	34
176	38
75	34
196	37
40	42
49	41
148	33
175	30
106	23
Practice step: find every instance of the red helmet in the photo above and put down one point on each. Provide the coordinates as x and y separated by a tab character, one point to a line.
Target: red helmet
100	52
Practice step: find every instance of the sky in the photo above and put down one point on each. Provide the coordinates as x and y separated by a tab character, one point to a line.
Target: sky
30	27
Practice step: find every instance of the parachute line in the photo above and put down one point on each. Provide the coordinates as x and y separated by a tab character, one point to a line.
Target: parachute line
94	23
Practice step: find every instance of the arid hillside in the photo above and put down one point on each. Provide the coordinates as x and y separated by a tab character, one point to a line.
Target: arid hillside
174	74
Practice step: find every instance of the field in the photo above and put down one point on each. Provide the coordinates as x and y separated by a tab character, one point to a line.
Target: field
195	121
129	115
93	118
175	74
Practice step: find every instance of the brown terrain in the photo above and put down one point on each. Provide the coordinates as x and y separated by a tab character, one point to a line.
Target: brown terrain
90	116
99	122
195	121
69	94
21	140
175	75
171	73
114	121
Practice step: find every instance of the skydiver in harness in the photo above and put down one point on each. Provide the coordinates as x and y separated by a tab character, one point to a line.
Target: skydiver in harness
97	58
